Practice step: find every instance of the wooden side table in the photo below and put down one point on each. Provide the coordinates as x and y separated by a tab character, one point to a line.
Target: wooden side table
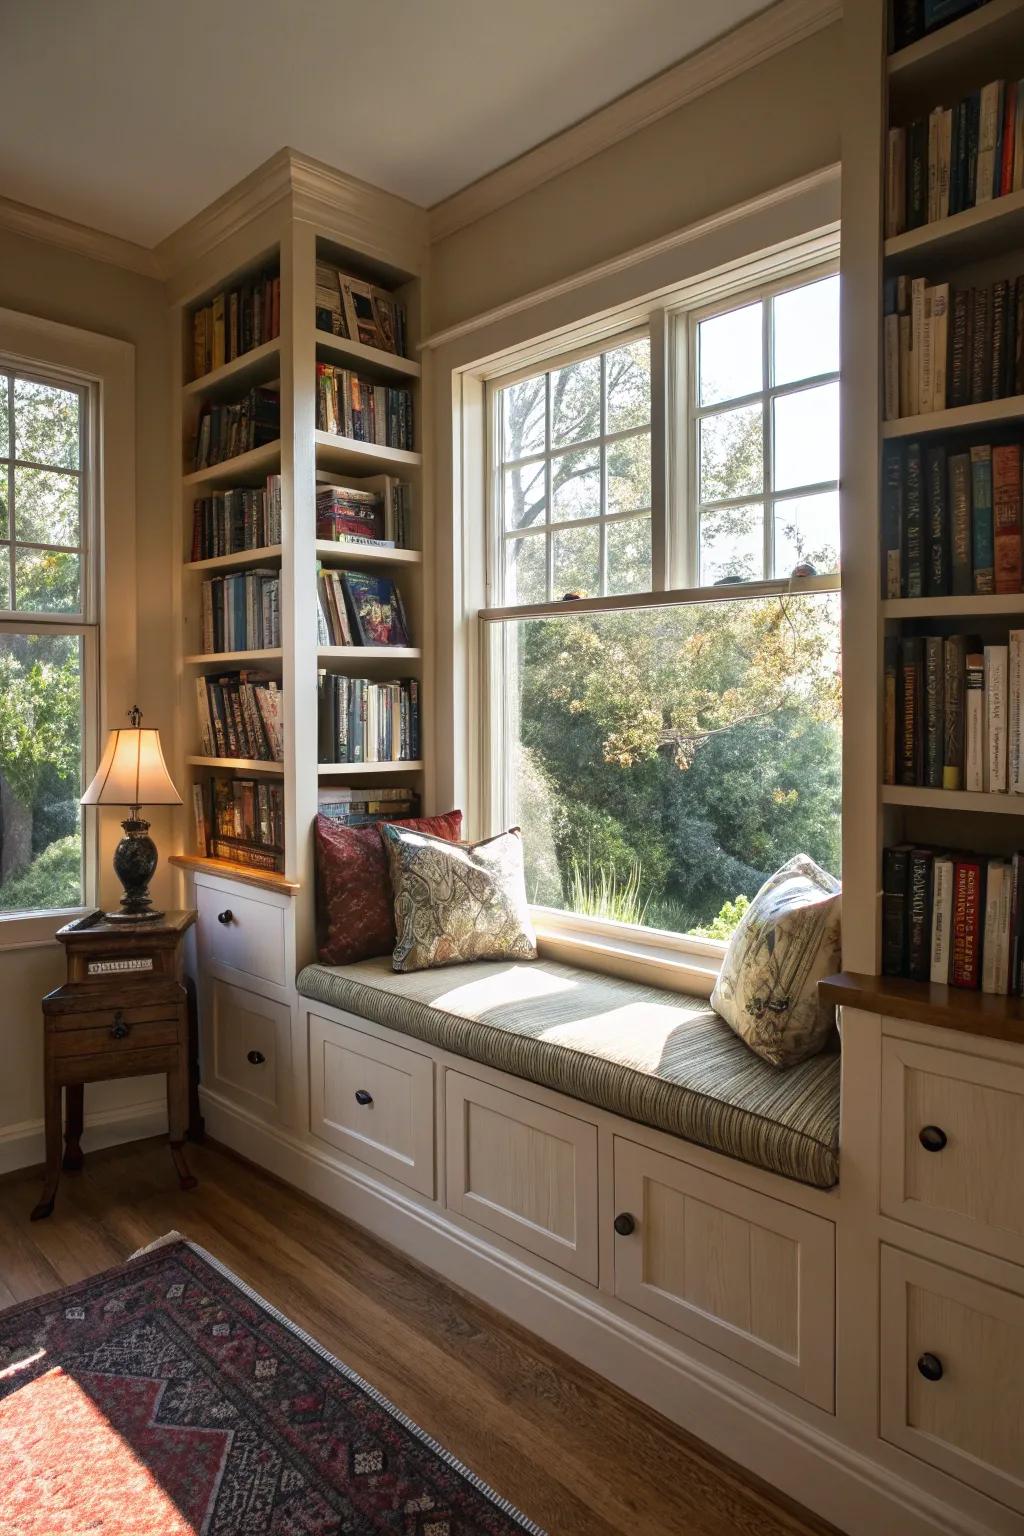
122	1012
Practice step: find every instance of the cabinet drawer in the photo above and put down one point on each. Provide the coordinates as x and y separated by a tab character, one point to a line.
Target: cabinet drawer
749	1276
373	1100
101	1020
524	1171
952	1369
243	932
250	1044
91	1042
971	1111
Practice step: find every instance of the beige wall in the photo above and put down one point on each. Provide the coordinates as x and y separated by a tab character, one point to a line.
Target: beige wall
56	284
769	126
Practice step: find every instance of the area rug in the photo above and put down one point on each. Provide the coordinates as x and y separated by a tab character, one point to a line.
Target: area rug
165	1398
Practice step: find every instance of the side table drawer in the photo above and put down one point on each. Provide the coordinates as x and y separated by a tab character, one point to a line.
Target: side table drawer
242	932
100	1021
108	1040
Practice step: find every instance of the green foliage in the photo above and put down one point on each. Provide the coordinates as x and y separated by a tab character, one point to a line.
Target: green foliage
728	920
54	879
601	893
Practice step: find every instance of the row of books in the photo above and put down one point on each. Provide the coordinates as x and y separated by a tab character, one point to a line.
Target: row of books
356	608
246	822
953	918
943	349
229	522
235	322
951	522
360	721
225	431
369	413
241	714
360	311
956	158
356	806
242	611
374	509
910	20
954	713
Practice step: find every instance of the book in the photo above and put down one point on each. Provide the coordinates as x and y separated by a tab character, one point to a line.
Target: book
199	817
375	609
938	334
1015	714
961	532
936	522
224	431
961	347
235	321
968	898
953	711
997	357
942	915
890	707
364	721
350	406
349	306
974	720
911	746
983	548
895	875
934	706
990	119
919	913
981	346
1007	517
892	521
995	947
896	182
913	572
996	679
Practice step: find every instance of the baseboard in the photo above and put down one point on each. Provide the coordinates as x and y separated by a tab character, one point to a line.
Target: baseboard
24	1145
838	1482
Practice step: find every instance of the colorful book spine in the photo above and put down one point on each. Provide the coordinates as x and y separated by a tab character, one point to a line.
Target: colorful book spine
1006	517
968	897
983	549
942	917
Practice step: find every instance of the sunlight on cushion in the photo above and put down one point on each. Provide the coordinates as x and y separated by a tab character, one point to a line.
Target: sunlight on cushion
522	982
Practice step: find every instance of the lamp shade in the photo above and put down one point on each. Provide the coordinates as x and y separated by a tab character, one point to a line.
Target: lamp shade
132	772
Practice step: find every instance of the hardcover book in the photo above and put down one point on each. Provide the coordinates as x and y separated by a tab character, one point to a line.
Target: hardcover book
375	609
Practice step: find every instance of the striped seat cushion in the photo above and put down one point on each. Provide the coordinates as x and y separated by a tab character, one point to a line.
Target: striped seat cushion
657	1057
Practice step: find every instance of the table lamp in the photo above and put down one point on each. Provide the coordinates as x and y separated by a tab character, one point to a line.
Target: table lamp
133	773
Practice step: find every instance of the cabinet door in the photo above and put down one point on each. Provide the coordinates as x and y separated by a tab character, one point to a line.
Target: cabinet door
746	1274
953	1373
524	1171
249	1048
373	1100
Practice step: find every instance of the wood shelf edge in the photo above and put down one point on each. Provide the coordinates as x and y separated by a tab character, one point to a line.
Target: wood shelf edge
243	873
925	1002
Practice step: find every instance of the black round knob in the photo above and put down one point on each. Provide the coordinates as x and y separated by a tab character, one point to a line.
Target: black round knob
624	1224
226	917
930	1367
256	1058
931	1138
362	1097
119	1029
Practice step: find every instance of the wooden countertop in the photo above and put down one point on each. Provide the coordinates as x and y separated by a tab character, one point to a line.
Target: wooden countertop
973	1013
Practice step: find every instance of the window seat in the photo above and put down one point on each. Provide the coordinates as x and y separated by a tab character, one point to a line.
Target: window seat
662	1059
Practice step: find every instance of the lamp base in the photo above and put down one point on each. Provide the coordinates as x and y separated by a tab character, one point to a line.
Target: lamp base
135	861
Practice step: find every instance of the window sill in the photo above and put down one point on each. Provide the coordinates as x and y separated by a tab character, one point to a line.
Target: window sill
678	964
30	930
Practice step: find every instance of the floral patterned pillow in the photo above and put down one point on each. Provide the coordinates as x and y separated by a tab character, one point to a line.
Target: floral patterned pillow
457	902
354	903
787	941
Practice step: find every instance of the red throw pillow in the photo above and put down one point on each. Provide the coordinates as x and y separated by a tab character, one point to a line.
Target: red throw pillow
355	916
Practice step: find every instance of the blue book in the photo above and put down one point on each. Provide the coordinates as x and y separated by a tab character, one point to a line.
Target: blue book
983	542
938	13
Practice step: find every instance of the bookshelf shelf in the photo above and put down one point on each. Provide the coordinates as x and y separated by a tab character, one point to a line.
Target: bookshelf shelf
241	557
231	871
348	770
257	462
232	658
989	604
989	413
991	229
347	455
953	800
370	361
926	1002
951	58
237	764
258	366
330	553
369	653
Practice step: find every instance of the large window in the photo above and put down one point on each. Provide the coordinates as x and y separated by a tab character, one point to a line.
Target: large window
664	737
46	637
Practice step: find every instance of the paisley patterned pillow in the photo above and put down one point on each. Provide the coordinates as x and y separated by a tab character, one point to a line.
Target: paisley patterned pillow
787	941
354	903
458	902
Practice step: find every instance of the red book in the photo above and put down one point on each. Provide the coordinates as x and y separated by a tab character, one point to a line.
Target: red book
968	917
1006	517
1004	183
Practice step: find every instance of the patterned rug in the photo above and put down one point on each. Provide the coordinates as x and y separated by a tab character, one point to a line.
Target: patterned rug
165	1398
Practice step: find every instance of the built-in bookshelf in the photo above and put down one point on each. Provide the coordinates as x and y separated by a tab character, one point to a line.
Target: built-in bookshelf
249	529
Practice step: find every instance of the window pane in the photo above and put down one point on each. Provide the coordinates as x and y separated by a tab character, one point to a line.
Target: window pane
5	436
629	474
805	331
628	549
731	454
576	485
732	544
577	562
628	386
5	576
524	495
806	427
46	581
40	771
526	569
4	528
46	423
666	761
523	419
807	530
729	355
46	507
576	402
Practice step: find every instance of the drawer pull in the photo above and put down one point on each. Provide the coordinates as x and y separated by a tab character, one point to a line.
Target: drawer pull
255	1058
624	1224
930	1367
226	917
362	1097
932	1138
119	1029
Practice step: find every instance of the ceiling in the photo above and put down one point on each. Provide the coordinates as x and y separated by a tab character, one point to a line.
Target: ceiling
132	115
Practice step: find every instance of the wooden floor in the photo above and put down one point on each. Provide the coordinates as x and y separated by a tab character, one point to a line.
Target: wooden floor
574	1453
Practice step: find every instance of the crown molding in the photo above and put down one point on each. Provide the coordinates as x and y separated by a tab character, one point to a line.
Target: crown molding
770	32
255	194
35	224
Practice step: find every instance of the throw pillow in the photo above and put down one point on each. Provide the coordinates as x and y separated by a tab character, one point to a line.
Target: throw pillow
787	941
355	906
458	902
